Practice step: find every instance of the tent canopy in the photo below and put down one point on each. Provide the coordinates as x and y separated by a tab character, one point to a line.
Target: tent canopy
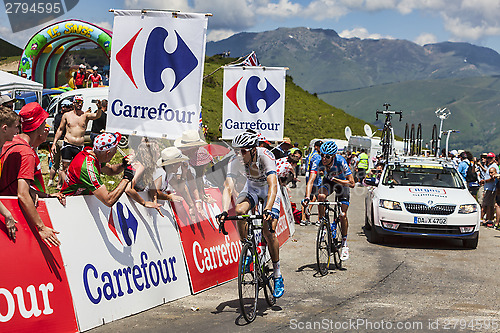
13	82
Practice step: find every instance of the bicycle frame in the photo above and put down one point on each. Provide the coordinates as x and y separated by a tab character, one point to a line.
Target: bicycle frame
387	139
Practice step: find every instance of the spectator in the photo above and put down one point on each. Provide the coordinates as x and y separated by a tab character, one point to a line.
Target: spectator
362	166
144	165
281	150
463	165
21	172
84	172
7	101
9	126
285	169
79	77
75	124
99	124
472	179
95	79
489	188
169	184
55	158
296	150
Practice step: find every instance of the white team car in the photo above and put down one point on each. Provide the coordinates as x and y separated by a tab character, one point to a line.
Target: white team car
421	198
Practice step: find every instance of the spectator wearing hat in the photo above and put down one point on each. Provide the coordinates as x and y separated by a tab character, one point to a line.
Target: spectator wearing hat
55	158
84	172
95	79
191	145
21	169
489	188
7	101
9	126
169	184
282	149
295	150
75	123
79	77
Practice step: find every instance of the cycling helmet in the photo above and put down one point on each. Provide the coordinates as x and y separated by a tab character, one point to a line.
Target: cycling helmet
328	147
247	139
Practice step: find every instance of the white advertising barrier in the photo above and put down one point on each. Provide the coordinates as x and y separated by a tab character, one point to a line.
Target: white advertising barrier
120	260
253	98
156	71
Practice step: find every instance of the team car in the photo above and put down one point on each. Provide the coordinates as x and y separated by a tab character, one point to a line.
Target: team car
421	198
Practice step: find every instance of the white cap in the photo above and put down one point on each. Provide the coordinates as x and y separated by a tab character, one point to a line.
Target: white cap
82	66
94	68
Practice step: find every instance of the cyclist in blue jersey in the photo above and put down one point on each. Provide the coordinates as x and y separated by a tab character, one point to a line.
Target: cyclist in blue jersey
337	177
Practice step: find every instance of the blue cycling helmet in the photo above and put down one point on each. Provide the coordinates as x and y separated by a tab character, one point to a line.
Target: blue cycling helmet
328	147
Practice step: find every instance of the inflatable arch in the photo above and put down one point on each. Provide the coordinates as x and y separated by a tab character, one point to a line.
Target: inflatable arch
41	56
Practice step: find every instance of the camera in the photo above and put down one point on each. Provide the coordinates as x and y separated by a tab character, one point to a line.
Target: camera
95	101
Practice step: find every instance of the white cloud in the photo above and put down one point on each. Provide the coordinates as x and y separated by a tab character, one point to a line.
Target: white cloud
104	25
362	33
426	38
216	35
283	8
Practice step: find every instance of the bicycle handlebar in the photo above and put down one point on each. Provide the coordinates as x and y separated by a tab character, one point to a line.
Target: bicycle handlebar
243	217
324	203
388	112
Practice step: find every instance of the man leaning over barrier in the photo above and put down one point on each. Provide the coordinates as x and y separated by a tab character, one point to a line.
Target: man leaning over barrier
21	169
84	172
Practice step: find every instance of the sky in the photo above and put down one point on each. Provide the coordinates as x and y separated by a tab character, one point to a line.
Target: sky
420	21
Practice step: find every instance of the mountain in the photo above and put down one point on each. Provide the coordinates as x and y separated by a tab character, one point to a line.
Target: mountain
8	50
321	61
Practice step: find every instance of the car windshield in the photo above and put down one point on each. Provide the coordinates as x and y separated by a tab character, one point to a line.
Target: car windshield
422	175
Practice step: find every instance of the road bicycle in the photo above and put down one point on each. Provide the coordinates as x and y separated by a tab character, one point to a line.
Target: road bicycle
387	139
412	143
329	237
254	268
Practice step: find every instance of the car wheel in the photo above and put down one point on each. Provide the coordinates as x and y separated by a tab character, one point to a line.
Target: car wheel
123	142
471	243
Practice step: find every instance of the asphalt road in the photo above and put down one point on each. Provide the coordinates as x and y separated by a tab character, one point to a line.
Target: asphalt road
406	285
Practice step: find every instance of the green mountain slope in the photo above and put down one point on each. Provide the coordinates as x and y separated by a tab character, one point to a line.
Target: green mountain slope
306	116
474	104
8	50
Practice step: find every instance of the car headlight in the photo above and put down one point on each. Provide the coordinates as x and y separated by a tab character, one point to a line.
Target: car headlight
389	204
467	209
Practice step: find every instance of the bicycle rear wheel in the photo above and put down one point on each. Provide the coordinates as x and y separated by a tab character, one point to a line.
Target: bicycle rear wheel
337	244
323	247
248	284
268	284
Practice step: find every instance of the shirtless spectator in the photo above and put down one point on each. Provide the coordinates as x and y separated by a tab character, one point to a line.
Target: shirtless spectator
66	106
75	123
21	174
9	126
84	172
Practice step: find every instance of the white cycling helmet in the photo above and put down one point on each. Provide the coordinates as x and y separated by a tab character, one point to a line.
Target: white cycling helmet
247	139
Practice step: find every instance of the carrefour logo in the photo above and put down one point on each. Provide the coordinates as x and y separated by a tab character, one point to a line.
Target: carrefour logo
253	94
156	59
125	230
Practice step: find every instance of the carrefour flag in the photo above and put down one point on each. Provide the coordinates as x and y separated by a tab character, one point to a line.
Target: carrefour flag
254	98
156	73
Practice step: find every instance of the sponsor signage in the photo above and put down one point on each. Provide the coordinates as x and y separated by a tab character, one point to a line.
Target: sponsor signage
122	260
254	98
34	291
156	73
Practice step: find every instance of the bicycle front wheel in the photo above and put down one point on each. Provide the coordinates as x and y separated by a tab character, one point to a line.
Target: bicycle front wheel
323	247
248	284
268	284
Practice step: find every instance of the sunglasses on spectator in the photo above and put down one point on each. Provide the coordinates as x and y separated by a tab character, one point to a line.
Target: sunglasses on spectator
326	156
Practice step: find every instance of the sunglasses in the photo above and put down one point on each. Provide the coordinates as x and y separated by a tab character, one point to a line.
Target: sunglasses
326	156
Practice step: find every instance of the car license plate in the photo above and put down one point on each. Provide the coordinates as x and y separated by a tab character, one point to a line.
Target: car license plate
429	220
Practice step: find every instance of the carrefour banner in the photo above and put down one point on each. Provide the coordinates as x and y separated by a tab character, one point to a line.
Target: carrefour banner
156	73
34	291
120	260
254	98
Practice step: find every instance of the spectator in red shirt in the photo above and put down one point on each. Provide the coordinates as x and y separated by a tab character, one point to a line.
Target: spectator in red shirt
9	126
95	79
84	172
79	77
21	174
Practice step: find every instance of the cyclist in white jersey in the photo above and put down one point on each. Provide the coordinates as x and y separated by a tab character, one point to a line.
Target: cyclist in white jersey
262	183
